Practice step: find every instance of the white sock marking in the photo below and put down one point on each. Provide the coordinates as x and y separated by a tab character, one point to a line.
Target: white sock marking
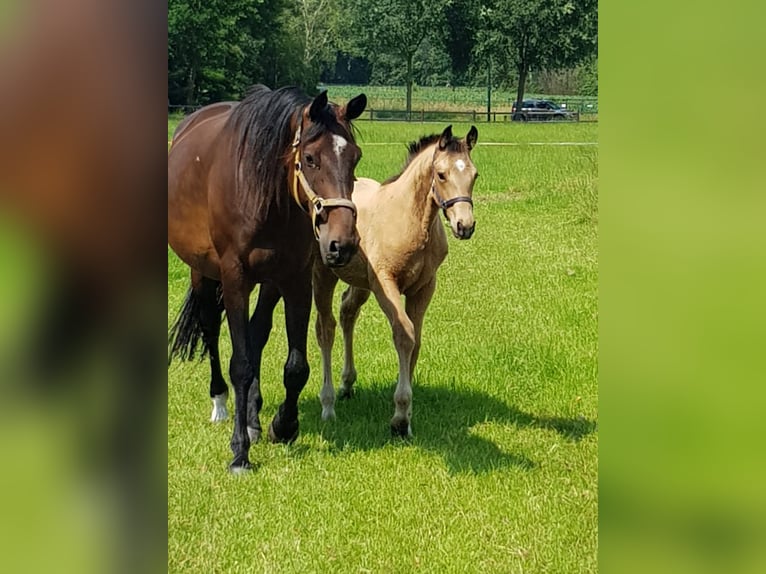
339	144
220	412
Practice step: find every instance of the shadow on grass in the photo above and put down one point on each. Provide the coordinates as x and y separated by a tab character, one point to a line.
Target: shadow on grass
444	422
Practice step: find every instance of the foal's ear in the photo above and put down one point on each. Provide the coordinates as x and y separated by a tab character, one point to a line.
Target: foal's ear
317	106
445	137
470	139
354	108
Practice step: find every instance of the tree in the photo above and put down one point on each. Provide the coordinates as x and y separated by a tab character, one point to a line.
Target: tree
532	34
396	28
211	45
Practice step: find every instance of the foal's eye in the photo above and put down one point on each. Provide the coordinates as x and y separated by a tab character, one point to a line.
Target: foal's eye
310	160
441	176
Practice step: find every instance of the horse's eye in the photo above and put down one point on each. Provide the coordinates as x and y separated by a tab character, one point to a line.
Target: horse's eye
441	176
310	160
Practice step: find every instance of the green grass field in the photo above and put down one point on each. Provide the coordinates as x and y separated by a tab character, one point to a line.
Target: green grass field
501	475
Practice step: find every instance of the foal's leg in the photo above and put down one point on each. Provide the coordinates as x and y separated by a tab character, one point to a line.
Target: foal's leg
297	295
390	300
260	329
236	294
416	306
352	300
210	311
324	281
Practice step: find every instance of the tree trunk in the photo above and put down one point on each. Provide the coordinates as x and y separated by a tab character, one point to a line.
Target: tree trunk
409	86
523	69
190	88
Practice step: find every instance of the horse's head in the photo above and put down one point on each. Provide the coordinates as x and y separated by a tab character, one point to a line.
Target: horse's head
325	158
453	178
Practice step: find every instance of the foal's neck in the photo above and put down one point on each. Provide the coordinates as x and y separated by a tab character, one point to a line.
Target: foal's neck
416	182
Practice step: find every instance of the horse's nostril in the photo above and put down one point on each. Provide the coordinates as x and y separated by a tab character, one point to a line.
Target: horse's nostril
334	247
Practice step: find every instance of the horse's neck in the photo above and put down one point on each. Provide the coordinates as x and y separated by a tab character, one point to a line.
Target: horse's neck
414	188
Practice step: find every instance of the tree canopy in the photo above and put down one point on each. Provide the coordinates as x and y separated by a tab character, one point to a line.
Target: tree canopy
217	48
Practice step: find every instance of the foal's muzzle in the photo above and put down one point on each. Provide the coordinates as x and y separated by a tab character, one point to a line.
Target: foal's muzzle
465	232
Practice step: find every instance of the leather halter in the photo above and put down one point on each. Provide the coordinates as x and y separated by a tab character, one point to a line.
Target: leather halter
445	204
317	204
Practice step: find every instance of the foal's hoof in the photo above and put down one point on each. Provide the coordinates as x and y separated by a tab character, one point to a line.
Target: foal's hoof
345	392
254	434
240	465
283	433
401	428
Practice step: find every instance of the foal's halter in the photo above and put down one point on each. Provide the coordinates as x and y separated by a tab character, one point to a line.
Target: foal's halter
445	204
319	203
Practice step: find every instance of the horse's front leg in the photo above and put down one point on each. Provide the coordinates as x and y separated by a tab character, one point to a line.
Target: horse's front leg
235	295
260	329
390	299
297	296
416	306
323	282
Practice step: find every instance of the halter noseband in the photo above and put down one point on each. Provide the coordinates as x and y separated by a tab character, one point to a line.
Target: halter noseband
319	203
445	204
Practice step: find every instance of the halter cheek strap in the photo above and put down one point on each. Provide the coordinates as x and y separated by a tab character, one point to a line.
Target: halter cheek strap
317	204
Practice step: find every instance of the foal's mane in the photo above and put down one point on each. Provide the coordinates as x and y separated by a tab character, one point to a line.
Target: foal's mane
263	134
415	147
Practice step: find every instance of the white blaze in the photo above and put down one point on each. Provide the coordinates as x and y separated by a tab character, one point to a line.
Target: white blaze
460	165
338	144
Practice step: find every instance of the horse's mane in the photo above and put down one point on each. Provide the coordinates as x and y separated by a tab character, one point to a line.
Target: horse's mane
415	147
261	124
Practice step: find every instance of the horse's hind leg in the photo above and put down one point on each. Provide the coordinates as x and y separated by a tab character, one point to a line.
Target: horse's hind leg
297	295
352	301
260	329
324	282
208	292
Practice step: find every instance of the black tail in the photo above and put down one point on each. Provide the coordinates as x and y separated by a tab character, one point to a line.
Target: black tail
186	333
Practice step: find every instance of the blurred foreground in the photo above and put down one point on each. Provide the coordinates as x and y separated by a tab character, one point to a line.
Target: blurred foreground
82	301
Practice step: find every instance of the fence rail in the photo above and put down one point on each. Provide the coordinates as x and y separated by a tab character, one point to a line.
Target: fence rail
474	116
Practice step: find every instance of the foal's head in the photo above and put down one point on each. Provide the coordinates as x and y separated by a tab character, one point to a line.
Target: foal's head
453	179
327	155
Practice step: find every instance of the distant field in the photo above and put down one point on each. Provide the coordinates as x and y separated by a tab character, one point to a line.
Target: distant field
502	473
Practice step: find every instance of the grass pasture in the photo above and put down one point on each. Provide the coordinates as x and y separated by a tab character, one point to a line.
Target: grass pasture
501	475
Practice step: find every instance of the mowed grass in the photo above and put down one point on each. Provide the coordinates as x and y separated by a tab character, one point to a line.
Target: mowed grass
501	475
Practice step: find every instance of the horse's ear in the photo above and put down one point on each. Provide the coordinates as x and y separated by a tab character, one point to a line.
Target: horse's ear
354	107
445	137
317	106
470	139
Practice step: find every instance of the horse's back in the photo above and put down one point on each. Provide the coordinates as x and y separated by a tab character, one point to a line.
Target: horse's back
201	115
191	156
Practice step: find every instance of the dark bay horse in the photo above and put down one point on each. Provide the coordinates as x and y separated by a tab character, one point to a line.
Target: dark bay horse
250	185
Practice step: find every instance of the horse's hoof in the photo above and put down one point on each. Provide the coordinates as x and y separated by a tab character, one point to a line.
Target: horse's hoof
254	434
240	466
282	435
401	429
345	392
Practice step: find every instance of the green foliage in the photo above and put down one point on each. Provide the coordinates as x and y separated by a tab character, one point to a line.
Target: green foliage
217	48
524	35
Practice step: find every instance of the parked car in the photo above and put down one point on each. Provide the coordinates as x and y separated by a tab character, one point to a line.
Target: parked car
540	110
